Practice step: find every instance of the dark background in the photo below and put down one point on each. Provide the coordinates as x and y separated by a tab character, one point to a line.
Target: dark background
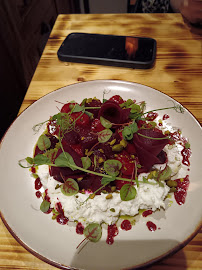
25	26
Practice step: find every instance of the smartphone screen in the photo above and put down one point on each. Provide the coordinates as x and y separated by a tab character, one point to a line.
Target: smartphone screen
125	51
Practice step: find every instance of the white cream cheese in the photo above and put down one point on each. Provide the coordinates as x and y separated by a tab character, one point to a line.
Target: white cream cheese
101	209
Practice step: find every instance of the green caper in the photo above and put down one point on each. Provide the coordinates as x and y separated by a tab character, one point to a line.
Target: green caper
171	183
117	148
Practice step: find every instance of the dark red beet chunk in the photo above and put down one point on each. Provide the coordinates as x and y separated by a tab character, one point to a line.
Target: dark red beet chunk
118	99
111	111
96	125
89	141
153	146
72	137
149	149
91	183
93	103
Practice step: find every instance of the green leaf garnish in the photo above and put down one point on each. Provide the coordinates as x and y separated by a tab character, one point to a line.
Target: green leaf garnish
106	123
104	135
128	192
40	159
45	205
65	160
112	167
89	114
128	131
43	142
63	120
93	232
78	108
29	160
106	180
134	108
86	161
70	187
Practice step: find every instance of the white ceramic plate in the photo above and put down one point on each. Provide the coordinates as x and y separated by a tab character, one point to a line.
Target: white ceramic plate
56	244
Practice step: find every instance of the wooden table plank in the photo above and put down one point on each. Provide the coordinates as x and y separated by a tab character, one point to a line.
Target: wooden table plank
177	72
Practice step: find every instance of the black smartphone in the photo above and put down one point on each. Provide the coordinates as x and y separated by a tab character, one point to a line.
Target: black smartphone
111	50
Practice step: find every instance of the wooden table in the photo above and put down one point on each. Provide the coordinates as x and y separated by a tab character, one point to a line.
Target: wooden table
177	72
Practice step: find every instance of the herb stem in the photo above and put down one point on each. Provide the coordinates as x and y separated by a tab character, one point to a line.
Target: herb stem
152	138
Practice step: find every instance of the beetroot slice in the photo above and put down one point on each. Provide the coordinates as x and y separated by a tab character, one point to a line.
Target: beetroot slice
149	151
111	111
92	183
146	158
93	103
153	146
62	173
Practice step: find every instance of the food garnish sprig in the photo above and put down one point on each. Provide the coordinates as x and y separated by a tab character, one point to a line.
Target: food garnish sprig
112	167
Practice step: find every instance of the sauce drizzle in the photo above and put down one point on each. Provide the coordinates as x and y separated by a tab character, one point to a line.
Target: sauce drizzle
112	232
151	226
181	190
147	213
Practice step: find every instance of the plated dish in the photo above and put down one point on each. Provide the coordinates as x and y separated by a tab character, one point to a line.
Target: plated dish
162	230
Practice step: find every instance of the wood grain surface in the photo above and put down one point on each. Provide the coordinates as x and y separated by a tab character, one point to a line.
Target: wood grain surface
177	72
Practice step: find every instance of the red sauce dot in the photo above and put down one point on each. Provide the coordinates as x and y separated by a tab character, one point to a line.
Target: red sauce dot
166	116
38	184
58	207
38	194
147	213
33	169
151	226
186	153
181	190
61	219
112	232
110	240
151	116
79	228
126	225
